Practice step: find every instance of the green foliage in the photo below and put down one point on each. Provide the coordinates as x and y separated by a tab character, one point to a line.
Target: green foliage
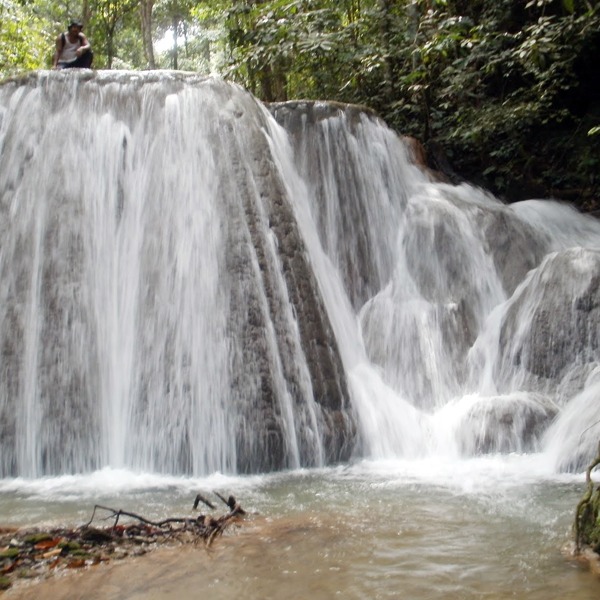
500	89
127	50
108	20
507	88
293	47
175	16
23	39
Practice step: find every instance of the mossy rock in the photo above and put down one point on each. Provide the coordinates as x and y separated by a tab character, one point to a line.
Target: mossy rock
36	538
4	583
69	546
81	553
10	553
589	521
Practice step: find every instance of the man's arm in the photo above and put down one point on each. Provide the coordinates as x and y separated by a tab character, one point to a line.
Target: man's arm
85	45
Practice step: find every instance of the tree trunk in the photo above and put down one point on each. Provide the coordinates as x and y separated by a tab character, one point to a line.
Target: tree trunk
146	20
175	46
85	12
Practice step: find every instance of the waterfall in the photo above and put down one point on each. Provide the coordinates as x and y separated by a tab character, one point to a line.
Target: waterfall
193	282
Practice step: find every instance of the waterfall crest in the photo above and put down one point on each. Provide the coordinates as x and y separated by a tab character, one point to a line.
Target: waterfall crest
193	282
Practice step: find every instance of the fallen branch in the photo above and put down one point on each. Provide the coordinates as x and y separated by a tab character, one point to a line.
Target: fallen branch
232	504
201	498
203	526
117	513
31	552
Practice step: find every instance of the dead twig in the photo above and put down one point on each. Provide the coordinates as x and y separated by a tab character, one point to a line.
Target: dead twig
203	526
201	498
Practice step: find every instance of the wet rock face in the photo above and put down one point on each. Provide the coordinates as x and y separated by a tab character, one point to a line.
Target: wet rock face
506	424
279	289
328	380
516	248
297	113
451	231
553	323
352	191
316	139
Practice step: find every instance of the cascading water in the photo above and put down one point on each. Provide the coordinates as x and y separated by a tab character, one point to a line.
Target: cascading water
147	317
189	284
478	321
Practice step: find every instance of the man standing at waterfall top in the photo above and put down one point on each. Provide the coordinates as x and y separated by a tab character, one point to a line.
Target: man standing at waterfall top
73	50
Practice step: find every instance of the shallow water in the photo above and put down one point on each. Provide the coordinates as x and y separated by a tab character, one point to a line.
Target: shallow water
485	528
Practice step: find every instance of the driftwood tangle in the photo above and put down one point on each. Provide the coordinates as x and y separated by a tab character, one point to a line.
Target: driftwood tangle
35	553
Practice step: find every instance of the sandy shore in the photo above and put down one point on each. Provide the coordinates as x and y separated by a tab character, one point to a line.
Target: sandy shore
152	576
244	563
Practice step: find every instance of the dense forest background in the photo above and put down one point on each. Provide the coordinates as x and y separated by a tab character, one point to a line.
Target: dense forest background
502	93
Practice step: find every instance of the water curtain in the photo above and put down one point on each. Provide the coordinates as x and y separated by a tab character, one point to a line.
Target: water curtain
191	282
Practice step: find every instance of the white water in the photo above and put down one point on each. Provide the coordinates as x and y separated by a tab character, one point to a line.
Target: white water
490	527
426	365
128	204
